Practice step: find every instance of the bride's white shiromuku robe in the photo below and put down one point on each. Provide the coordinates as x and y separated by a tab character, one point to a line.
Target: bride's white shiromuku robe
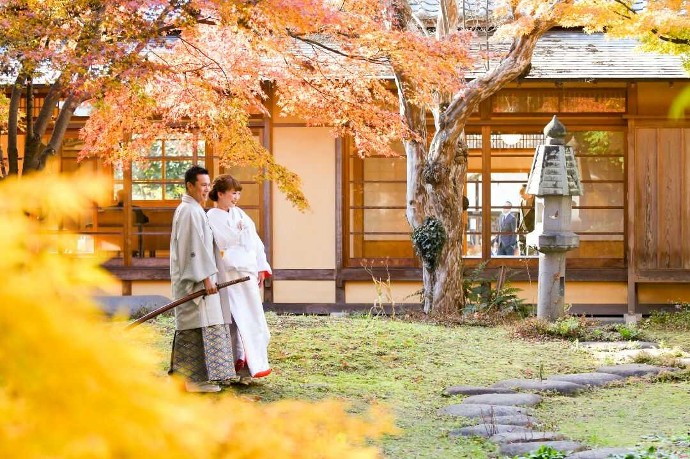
202	346
242	254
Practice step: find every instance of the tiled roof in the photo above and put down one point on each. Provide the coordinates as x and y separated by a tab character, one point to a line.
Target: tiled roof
472	10
427	10
561	55
573	55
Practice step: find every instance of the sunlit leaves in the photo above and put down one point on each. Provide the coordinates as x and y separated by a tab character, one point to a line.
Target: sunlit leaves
73	384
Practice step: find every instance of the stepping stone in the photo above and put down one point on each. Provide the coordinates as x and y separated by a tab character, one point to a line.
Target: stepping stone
536	385
516	449
475	390
523	437
618	345
483	411
587	379
503	399
684	361
516	420
600	453
486	430
633	369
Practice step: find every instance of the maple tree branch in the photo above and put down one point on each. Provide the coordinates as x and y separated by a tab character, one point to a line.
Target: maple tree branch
668	39
318	44
46	113
625	6
204	54
70	105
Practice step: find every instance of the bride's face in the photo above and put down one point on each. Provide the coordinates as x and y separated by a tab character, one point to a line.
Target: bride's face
229	198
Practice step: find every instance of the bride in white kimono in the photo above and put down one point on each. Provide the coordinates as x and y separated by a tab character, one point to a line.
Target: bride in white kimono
242	254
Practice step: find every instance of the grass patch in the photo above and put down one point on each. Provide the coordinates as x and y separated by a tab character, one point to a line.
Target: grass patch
624	416
407	365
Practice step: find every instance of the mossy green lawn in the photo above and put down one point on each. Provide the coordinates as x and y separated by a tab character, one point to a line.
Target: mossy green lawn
407	365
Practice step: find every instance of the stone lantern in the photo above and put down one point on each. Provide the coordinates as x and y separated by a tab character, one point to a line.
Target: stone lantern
554	179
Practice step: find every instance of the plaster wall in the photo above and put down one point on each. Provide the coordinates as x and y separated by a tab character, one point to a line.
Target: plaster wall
151	288
365	292
303	240
298	291
663	293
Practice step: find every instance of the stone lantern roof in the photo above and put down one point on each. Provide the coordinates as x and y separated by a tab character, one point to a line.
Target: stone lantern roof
554	170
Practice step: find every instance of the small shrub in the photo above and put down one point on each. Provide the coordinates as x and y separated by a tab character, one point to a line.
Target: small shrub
673	376
484	303
678	320
628	332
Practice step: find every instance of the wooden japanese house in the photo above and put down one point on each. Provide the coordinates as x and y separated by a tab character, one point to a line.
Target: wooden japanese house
633	219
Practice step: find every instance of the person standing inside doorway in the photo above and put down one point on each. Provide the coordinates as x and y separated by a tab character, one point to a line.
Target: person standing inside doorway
526	218
202	346
507	224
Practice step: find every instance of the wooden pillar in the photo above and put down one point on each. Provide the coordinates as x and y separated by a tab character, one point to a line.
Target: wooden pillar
486	192
339	230
266	201
630	160
127	221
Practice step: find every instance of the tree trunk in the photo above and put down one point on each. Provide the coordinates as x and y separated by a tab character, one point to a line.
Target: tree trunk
13	125
444	177
58	135
36	152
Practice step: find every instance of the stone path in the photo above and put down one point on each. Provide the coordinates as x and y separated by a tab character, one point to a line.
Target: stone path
502	411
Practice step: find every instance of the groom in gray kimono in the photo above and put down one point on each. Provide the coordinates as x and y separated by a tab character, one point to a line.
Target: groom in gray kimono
202	349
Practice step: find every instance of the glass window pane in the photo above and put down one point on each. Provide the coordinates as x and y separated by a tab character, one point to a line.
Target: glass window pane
474	143
597	220
602	195
597	143
560	100
592	168
156	148
386	220
473	192
117	187
147	191
147	170
588	100
385	169
174	170
598	246
384	194
506	187
473	245
179	147
174	190
117	171
517	101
